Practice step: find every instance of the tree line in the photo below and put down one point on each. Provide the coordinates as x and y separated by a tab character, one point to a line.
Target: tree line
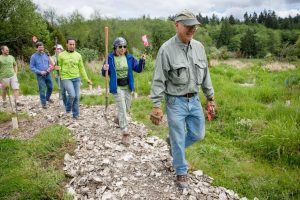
257	36
267	18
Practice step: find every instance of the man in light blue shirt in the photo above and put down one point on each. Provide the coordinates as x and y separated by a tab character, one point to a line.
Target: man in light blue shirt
40	64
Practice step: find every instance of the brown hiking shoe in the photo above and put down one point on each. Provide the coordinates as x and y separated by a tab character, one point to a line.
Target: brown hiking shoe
50	101
182	181
77	118
19	104
125	139
116	120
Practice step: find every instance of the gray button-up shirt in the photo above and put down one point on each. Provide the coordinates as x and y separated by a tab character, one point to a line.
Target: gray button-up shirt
180	69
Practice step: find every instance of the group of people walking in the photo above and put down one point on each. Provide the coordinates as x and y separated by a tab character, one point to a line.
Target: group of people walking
71	67
181	70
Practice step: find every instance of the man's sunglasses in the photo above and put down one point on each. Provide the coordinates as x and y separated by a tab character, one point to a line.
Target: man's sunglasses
120	47
194	27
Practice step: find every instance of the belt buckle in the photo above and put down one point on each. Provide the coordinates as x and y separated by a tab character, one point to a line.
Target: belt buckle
189	95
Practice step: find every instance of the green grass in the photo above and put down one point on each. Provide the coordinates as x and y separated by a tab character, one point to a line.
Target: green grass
238	170
140	110
5	117
95	99
33	169
28	82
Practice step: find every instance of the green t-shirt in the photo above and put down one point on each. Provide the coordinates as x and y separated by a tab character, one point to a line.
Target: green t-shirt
121	66
7	66
71	66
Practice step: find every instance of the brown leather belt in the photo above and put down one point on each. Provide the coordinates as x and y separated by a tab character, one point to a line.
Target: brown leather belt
188	95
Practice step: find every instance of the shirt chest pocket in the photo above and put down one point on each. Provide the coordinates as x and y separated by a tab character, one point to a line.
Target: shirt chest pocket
179	75
200	68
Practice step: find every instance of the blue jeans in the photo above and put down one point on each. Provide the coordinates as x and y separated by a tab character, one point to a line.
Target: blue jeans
45	87
186	126
123	103
72	86
63	94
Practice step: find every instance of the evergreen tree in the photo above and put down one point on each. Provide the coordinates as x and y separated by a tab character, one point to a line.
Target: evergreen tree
201	19
231	20
271	20
254	18
246	18
226	34
248	44
214	19
205	20
261	18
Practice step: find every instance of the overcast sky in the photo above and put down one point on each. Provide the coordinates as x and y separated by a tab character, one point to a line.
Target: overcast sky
163	8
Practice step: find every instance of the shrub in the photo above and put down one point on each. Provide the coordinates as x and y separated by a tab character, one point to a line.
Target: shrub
221	53
88	54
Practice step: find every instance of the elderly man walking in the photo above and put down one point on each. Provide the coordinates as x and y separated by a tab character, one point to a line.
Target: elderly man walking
181	69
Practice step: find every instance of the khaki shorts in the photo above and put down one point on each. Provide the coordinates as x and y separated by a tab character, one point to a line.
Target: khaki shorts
12	82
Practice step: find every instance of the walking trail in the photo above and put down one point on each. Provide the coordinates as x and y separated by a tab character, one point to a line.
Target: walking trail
102	168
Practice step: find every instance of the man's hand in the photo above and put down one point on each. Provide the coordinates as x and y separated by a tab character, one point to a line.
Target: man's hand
43	73
211	109
156	115
143	56
90	82
211	103
50	68
56	67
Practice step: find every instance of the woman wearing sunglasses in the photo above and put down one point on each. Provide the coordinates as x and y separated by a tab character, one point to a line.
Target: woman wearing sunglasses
121	65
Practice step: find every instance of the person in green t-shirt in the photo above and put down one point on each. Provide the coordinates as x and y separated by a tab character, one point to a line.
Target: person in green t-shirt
8	75
71	70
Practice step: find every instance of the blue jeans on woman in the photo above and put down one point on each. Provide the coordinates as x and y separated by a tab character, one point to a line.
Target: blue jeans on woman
45	87
186	126
72	86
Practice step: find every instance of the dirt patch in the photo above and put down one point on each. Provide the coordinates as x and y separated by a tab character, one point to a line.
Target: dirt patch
276	66
232	62
241	64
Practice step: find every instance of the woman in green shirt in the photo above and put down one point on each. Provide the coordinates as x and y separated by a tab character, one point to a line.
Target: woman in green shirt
121	65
